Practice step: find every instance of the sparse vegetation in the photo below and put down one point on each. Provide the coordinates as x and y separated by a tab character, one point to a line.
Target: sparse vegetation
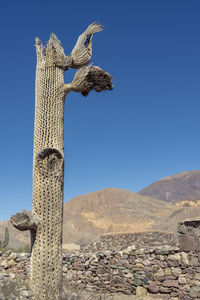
4	244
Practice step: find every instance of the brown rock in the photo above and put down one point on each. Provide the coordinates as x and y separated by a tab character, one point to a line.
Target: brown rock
11	263
182	279
181	294
4	264
165	290
140	291
184	258
161	297
139	265
186	297
170	283
185	288
159	273
187	243
174	257
153	288
168	271
176	272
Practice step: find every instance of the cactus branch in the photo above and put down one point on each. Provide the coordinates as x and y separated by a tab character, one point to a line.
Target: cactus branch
89	78
82	51
24	221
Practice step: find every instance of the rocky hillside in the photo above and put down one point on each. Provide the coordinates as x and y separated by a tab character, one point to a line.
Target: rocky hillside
182	186
110	210
114	210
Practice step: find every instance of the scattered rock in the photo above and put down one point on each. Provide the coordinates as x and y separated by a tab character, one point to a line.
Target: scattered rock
11	263
141	292
182	279
174	257
170	283
153	288
194	292
4	264
184	258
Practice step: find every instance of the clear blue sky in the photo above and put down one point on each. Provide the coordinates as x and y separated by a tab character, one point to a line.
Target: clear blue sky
147	128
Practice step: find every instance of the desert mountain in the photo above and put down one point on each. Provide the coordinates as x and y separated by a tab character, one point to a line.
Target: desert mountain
88	216
182	186
111	210
116	210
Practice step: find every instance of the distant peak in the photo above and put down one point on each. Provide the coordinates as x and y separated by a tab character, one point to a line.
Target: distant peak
180	175
181	186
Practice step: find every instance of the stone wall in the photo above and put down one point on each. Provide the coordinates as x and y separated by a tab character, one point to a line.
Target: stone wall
162	272
158	271
123	240
189	235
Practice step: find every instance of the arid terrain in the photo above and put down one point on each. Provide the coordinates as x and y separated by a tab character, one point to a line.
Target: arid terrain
182	186
111	210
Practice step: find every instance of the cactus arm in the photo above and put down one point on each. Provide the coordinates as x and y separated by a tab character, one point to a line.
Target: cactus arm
89	78
24	221
82	51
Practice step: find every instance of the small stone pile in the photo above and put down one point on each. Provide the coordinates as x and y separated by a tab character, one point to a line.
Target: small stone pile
14	275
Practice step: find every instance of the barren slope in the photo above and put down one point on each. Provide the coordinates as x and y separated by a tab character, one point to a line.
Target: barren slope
111	210
182	186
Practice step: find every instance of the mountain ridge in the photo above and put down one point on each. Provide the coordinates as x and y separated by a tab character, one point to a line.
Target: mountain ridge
114	210
175	188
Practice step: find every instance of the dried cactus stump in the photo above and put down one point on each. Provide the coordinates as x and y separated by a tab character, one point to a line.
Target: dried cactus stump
46	220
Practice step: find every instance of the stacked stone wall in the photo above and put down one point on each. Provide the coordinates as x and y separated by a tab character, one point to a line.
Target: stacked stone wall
123	240
161	272
157	271
164	272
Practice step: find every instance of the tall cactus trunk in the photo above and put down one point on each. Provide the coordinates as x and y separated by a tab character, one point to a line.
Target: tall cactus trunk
46	220
48	174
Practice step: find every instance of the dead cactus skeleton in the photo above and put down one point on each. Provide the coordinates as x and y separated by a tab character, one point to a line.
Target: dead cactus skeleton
46	220
89	78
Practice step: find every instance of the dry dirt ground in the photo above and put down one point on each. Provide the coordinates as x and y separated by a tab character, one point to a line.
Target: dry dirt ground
83	295
86	296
